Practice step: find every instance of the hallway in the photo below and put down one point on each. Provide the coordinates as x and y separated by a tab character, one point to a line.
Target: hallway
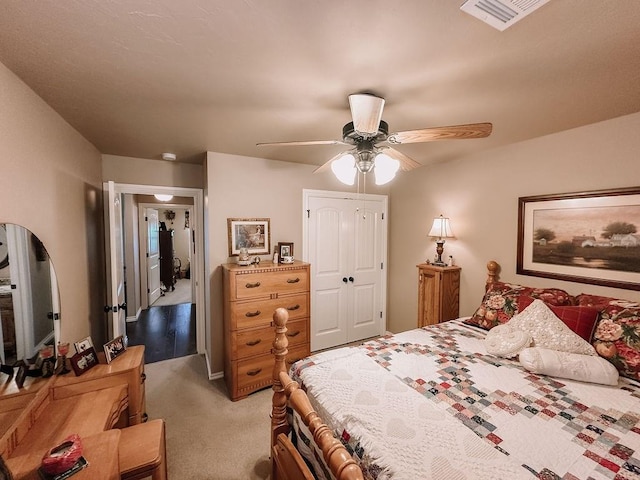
166	331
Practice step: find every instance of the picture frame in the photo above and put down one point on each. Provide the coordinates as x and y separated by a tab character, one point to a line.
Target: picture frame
285	249
254	234
83	344
588	237
84	360
114	348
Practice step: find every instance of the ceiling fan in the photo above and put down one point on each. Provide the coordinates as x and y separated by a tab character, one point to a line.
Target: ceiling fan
370	142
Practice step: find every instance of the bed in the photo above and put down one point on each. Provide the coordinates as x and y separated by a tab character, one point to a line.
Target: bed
537	383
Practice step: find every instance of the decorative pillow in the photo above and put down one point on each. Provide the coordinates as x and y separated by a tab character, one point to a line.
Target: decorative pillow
581	320
585	368
506	341
548	331
602	303
500	303
617	338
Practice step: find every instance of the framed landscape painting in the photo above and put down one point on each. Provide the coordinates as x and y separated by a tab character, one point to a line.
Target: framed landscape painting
588	237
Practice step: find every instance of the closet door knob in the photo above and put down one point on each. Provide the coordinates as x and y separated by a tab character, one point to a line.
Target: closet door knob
344	279
351	279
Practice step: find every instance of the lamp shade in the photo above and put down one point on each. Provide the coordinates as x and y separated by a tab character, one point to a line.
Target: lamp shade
344	169
386	168
441	228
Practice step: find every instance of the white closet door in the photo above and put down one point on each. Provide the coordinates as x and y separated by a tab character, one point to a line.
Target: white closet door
345	242
366	269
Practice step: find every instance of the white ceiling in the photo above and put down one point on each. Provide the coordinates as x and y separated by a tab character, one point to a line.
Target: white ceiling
142	77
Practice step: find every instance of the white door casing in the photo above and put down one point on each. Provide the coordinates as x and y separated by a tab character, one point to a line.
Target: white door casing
345	242
153	255
198	264
115	306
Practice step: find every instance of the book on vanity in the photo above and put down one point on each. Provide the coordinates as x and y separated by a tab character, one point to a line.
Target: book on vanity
79	465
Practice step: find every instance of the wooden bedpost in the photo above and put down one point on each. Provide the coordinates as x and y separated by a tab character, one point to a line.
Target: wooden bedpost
279	423
493	269
336	456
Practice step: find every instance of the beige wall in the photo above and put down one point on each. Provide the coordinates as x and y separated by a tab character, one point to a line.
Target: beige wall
245	187
141	171
480	195
51	184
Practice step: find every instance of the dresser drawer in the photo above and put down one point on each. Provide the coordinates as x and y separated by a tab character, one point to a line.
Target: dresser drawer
248	343
266	283
260	312
255	373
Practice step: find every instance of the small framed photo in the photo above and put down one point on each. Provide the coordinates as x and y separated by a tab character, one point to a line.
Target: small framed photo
84	360
285	252
83	345
114	348
254	234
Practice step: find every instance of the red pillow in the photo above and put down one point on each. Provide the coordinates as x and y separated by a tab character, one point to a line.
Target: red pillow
580	319
500	302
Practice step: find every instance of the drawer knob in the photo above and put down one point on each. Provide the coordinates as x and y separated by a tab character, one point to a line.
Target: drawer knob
253	373
253	343
252	314
294	307
252	285
293	334
294	280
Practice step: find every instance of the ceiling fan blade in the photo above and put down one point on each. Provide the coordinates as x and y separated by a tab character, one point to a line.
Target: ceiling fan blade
366	111
472	130
406	163
302	143
327	165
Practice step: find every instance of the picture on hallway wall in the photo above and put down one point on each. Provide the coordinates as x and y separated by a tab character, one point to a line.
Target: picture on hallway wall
587	237
254	234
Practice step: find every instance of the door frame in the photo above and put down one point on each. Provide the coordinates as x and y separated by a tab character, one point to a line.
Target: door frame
309	193
197	225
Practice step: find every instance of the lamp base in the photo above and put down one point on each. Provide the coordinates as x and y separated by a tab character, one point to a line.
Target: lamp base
439	264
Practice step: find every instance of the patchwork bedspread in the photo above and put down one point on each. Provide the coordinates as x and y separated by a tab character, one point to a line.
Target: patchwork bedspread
431	403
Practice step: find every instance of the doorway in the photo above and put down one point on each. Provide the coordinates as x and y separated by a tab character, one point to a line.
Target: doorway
173	323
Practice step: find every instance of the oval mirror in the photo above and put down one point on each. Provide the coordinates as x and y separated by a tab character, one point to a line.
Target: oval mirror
29	300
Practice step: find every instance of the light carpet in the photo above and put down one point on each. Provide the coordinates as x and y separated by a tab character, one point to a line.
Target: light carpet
209	437
181	294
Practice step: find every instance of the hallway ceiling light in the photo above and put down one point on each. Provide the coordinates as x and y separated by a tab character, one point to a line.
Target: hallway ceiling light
163	197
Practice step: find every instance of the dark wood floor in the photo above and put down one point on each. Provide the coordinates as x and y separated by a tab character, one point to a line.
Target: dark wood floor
166	331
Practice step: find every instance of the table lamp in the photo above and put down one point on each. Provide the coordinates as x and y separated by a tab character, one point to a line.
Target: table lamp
440	230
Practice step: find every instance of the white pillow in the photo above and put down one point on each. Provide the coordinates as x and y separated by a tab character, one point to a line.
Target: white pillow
506	341
586	368
548	331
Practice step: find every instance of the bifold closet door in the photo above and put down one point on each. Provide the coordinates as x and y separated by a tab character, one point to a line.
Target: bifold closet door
346	249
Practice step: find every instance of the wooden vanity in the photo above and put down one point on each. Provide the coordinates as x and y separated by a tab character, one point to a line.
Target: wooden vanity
95	405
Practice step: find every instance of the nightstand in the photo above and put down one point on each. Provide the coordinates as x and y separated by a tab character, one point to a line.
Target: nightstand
438	294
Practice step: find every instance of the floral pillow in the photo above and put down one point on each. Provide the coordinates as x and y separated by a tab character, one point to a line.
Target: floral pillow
617	337
500	303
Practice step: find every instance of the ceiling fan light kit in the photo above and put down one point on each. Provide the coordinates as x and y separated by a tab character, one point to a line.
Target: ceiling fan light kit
368	137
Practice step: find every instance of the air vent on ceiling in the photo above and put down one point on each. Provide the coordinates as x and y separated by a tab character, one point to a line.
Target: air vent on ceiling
501	14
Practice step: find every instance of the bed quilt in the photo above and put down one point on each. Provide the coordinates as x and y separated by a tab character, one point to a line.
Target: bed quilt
431	403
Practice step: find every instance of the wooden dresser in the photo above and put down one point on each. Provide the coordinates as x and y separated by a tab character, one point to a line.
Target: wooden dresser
251	295
438	294
126	369
94	405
